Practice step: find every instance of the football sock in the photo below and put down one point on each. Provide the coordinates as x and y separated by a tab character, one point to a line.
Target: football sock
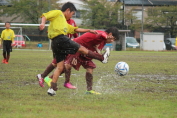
95	55
8	56
4	55
67	75
89	79
49	69
51	76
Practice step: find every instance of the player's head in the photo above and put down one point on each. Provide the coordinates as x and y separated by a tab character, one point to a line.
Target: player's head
7	25
113	34
68	9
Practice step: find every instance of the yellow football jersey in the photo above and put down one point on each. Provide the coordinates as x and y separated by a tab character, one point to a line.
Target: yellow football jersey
58	24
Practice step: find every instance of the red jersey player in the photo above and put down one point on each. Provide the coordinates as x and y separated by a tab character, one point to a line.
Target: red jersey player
72	22
93	42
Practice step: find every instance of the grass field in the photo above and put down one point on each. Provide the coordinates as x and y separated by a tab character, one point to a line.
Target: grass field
148	91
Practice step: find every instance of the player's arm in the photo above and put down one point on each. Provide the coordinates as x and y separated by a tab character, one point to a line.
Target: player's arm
97	49
76	34
0	41
85	30
1	38
13	36
43	21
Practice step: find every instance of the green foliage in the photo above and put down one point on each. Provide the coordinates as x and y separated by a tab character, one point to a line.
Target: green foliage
163	17
131	20
101	14
29	10
148	91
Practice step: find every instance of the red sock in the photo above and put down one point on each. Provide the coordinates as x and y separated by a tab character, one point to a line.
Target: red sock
95	55
4	55
67	75
89	80
49	69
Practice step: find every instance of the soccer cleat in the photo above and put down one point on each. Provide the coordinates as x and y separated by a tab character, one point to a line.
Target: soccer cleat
41	80
92	92
69	85
106	55
4	60
48	81
51	92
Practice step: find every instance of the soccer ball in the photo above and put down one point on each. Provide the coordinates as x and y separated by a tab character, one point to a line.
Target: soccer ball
122	68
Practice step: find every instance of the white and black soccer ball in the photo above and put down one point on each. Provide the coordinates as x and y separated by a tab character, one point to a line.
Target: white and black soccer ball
122	68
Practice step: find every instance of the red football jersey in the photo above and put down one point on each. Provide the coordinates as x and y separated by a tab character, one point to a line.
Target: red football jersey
72	22
92	41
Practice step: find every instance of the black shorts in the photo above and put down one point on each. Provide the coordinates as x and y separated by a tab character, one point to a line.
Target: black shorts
62	46
7	45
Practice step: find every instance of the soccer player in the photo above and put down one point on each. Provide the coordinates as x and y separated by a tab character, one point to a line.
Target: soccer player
7	37
93	42
61	44
51	66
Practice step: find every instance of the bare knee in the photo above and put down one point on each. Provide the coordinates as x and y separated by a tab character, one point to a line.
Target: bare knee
83	50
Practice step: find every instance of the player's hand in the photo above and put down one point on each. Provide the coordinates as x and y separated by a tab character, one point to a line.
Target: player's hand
42	26
93	31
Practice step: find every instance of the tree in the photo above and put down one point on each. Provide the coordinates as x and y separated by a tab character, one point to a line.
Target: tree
101	14
131	20
163	17
28	10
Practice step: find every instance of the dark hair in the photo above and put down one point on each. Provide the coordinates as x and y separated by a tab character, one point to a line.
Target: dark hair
7	22
114	31
68	5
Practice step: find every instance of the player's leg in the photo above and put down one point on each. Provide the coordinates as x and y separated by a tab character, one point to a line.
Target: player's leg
89	65
67	72
4	51
74	47
57	72
103	58
8	56
4	56
89	82
67	82
8	48
48	69
89	78
53	88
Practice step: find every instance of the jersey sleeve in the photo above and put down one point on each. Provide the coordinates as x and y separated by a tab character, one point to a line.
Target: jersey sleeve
71	29
102	36
51	14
